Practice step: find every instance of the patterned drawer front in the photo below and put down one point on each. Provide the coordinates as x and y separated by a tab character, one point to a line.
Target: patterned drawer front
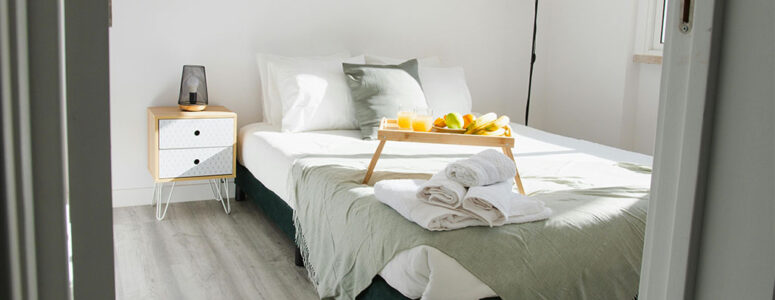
195	133
195	162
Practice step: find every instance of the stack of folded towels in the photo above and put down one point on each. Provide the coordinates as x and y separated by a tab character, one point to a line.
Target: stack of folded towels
476	191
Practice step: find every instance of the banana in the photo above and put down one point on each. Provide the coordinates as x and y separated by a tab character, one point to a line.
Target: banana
492	127
500	122
503	121
481	122
508	130
498	132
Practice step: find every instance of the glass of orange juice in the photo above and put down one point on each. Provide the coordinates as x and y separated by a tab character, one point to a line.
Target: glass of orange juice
423	120
405	117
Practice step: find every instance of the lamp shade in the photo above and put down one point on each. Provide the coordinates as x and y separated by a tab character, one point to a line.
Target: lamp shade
193	88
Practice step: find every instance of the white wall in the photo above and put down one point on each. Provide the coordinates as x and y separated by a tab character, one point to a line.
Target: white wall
585	83
645	113
151	40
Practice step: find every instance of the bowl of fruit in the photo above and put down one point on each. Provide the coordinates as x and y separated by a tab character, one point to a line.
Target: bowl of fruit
488	124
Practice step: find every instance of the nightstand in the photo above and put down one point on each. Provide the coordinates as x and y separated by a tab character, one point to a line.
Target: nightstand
191	146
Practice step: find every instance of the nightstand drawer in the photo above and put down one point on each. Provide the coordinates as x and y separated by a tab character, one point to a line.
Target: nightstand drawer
196	133
195	162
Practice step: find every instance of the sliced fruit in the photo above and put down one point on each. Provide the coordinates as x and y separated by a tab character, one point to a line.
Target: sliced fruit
454	120
440	123
468	119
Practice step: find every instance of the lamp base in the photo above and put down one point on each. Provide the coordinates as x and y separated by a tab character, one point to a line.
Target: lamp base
196	107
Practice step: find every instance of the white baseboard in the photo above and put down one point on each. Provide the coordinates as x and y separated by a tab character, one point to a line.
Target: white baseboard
183	192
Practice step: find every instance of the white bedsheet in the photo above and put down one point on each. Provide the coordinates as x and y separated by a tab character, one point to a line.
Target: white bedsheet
425	272
269	153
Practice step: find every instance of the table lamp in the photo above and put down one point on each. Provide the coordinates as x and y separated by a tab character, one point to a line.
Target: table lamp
193	88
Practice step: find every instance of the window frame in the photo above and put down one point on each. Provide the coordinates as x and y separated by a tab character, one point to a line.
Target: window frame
649	33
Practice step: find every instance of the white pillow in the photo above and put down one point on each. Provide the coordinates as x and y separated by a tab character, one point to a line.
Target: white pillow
314	94
269	95
432	61
445	89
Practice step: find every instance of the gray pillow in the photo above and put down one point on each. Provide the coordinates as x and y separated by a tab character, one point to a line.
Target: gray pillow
379	90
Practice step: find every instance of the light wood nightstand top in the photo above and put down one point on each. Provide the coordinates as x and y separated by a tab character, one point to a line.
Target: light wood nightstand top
173	112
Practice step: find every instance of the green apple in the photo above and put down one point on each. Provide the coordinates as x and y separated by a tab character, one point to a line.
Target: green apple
454	120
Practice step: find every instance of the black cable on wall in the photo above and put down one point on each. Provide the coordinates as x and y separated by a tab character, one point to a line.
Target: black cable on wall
532	62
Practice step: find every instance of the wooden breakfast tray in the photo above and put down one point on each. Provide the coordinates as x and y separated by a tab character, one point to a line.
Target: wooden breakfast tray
389	131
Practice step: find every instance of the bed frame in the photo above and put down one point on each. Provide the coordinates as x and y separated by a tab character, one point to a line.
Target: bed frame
248	187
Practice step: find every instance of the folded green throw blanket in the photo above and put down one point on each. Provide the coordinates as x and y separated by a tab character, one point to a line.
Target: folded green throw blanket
589	249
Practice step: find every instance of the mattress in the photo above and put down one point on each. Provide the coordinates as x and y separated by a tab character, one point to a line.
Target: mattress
424	272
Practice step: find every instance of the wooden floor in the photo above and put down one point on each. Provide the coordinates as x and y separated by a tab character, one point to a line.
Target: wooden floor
199	252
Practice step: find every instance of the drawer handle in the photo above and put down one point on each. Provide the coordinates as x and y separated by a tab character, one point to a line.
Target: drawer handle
196	161
196	132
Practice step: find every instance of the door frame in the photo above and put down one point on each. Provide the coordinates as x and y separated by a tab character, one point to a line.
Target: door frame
88	147
35	191
684	126
54	110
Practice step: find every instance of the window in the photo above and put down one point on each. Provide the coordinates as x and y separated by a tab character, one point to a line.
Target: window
652	24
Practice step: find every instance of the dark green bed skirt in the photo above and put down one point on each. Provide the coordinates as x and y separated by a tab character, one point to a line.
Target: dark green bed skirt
282	216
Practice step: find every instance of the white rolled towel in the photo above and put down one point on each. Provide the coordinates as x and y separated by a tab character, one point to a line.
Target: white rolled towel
442	191
401	195
497	203
484	168
545	213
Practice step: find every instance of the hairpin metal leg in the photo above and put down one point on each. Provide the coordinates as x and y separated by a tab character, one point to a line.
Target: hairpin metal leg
220	190
213	188
227	206
155	191
158	190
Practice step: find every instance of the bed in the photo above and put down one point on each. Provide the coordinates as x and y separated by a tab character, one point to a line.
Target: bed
267	158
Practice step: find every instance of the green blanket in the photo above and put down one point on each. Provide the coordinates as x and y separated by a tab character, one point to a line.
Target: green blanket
589	249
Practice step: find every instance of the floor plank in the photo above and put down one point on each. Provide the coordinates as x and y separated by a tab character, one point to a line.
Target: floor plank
199	252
